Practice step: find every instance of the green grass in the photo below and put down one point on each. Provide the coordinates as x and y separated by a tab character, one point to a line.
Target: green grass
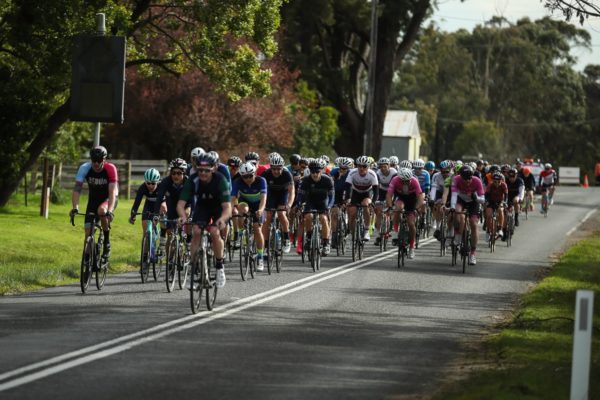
38	252
531	355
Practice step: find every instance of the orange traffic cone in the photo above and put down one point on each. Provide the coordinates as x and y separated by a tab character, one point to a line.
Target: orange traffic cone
585	182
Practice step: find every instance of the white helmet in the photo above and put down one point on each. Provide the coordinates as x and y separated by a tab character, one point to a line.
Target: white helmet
405	174
362	160
418	164
383	160
276	160
346	162
197	151
547	166
394	160
247	168
405	164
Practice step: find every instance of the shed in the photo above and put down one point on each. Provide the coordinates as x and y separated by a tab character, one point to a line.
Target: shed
401	135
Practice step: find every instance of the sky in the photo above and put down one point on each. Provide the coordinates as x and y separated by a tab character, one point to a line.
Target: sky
454	14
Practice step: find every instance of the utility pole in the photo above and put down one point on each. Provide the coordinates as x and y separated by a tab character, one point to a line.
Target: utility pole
369	109
100	31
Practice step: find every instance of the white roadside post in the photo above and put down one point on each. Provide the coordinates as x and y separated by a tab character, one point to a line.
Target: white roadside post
582	345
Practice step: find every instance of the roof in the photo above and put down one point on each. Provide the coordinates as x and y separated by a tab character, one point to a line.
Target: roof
400	123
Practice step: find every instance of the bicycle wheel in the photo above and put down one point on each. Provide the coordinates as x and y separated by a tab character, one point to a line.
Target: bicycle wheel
209	278
183	264
314	251
271	249
87	259
145	258
171	265
510	223
244	255
466	247
251	254
419	226
278	255
101	264
196	282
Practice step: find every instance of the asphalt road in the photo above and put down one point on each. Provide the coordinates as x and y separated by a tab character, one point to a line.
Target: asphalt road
360	330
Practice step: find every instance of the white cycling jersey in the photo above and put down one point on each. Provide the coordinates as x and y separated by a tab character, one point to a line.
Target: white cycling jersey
384	180
362	184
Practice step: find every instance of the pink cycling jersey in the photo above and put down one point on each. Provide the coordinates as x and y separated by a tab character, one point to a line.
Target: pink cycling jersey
399	187
465	189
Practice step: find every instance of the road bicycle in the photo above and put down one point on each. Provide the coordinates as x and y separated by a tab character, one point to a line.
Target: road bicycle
178	257
545	202
340	236
203	273
151	255
92	262
510	226
229	242
494	232
313	243
443	227
247	247
403	238
274	243
358	244
464	247
385	230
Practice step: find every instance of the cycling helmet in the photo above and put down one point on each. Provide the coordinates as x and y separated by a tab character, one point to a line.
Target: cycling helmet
196	152
457	167
325	158
215	155
337	161
444	164
383	160
303	160
418	164
346	162
316	163
526	171
362	161
405	174
472	165
429	165
394	160
247	168
152	175
497	176
371	160
480	162
405	164
504	168
494	168
178	163
206	160
547	166
466	172
276	160
252	156
98	153
234	161
295	159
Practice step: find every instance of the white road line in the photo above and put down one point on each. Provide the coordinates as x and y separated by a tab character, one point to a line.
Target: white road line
68	360
588	215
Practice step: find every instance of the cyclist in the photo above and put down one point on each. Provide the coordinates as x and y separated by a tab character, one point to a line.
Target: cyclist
147	189
384	176
103	186
249	195
339	175
516	192
325	159
405	193
547	182
467	194
196	152
394	162
495	194
233	163
317	193
280	196
430	167
254	158
424	180
529	181
212	208
437	190
364	185
169	190
297	166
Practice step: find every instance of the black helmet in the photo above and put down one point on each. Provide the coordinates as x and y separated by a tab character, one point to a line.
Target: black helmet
494	168
466	172
295	159
234	161
206	160
98	153
252	156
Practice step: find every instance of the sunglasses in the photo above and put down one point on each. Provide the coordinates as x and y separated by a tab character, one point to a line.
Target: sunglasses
445	171
343	169
177	173
97	161
276	168
204	170
361	166
315	170
249	176
233	166
151	183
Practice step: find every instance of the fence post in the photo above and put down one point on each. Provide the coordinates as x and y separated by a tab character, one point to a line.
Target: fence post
45	191
128	166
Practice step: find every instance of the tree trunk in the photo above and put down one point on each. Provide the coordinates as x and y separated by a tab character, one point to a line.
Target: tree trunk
35	149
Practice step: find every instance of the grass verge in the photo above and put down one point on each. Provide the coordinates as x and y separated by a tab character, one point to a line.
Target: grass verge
38	252
530	357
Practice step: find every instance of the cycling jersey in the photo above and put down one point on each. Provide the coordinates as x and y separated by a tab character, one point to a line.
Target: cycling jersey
547	177
516	189
464	190
97	181
339	185
384	181
208	197
318	195
249	194
149	204
360	183
169	192
496	193
401	188
277	187
424	180
437	186
529	181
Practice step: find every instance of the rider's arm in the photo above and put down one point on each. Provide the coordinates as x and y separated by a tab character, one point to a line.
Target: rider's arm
138	199
375	193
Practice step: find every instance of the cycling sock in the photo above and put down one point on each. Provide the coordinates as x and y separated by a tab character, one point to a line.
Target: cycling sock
219	263
107	237
163	233
286	235
411	244
259	252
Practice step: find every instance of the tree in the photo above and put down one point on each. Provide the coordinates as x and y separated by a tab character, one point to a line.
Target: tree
581	9
220	38
479	139
328	41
